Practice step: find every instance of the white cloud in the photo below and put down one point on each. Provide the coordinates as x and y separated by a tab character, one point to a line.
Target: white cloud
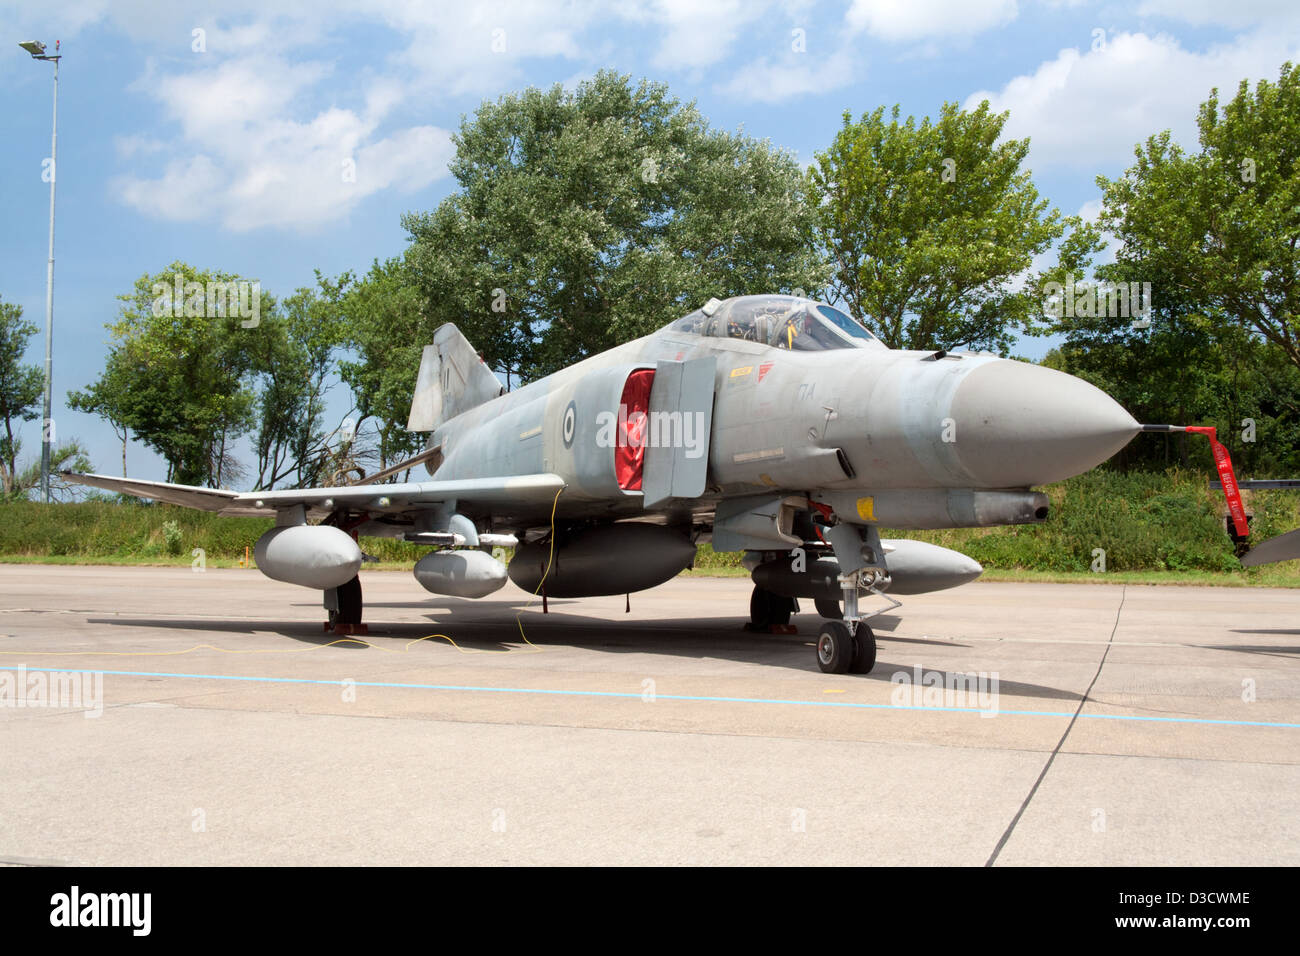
188	191
265	140
1238	13
797	74
697	35
1090	109
227	100
136	144
247	162
261	146
905	20
479	48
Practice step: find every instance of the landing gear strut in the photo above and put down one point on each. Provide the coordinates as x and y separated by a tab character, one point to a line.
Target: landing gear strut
848	644
344	606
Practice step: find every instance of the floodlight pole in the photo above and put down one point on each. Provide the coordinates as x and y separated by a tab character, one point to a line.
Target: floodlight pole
49	298
49	274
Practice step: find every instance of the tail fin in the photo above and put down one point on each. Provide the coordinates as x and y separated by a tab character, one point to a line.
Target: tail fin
452	380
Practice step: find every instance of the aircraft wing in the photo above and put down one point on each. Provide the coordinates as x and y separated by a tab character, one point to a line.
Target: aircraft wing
187	496
1285	547
487	493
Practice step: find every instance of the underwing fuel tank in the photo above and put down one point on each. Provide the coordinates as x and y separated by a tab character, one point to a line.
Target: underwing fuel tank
312	556
467	574
915	567
611	559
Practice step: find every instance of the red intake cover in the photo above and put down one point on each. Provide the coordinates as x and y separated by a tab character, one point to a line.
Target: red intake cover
633	419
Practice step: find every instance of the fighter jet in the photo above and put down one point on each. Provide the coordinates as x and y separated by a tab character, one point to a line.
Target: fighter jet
772	425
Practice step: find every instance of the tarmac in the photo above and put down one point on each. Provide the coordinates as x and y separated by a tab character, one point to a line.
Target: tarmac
1004	724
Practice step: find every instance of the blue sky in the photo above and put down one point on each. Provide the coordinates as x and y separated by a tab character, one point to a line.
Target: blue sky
223	147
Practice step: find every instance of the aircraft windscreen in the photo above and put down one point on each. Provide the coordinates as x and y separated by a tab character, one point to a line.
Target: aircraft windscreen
846	324
781	321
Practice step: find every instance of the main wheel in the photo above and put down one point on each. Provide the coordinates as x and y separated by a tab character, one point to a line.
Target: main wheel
864	651
760	609
829	608
835	648
782	607
350	602
768	609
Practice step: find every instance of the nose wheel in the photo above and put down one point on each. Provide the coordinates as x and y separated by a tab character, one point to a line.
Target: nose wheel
840	650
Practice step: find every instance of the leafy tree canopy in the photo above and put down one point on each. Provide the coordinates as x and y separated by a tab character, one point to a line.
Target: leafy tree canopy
586	218
932	227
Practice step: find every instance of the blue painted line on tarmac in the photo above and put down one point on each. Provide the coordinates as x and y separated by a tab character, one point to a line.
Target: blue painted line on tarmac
682	697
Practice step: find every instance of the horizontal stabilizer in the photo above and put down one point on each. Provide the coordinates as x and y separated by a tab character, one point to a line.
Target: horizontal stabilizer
1285	547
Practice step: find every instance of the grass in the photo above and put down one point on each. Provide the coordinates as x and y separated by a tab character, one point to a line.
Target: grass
1154	528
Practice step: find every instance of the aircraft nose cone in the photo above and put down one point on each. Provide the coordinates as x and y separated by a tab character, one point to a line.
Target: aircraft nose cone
1019	424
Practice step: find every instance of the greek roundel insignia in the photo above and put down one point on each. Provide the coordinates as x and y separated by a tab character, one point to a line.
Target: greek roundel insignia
570	424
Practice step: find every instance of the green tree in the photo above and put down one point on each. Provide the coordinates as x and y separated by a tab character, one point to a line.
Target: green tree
1219	227
180	369
20	388
106	397
932	227
585	218
1213	236
386	329
68	455
294	355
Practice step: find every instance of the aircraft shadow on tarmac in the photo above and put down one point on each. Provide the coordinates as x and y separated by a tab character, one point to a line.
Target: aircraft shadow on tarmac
1272	650
718	637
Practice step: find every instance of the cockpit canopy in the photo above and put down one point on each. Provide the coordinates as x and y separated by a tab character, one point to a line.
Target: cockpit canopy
781	321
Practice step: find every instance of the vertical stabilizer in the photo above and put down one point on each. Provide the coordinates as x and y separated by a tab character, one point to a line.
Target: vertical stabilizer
452	380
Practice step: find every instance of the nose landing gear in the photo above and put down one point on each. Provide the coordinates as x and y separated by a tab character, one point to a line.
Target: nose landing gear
848	644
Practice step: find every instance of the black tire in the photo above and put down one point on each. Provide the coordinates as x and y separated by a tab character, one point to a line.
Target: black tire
768	609
760	609
350	602
835	647
864	651
830	609
782	607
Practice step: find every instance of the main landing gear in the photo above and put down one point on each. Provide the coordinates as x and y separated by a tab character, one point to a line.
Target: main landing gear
344	606
769	612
